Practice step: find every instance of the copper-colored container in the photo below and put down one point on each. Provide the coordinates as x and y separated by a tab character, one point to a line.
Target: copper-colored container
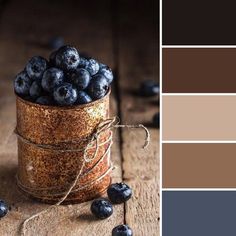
46	173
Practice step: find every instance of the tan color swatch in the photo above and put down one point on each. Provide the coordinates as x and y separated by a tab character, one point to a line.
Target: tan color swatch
200	165
199	117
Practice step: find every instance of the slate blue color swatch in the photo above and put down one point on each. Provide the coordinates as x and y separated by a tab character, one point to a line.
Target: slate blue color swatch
199	213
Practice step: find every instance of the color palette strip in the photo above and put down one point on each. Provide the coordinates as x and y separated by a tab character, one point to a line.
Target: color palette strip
198	118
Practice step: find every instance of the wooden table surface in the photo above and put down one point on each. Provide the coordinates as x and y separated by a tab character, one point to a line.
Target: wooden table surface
122	34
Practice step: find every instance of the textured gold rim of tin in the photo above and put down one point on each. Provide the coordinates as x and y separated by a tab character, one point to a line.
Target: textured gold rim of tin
88	193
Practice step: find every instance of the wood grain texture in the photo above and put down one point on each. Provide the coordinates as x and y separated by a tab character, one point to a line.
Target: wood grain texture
138	61
26	27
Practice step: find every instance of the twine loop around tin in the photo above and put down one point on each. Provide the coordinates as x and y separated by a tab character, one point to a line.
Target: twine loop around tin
92	142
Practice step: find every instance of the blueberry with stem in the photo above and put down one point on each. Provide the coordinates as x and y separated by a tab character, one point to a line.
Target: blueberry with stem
35	67
22	84
92	66
65	94
101	208
98	87
80	78
119	193
52	77
35	90
122	230
83	98
67	58
107	73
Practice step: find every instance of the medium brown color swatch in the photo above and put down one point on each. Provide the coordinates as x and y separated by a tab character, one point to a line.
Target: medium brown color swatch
199	117
200	165
199	70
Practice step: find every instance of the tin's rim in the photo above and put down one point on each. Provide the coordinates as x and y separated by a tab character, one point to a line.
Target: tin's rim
64	107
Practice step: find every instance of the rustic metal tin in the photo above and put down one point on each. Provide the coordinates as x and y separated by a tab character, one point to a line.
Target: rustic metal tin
45	173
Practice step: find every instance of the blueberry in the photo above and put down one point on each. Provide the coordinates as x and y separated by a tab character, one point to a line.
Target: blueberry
122	230
156	120
52	58
35	90
56	42
3	208
106	72
35	67
101	208
92	66
45	100
65	94
67	58
149	88
83	62
119	193
101	65
83	98
98	87
52	77
80	78
22	83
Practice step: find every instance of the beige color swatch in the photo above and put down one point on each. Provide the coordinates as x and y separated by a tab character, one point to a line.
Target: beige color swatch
199	117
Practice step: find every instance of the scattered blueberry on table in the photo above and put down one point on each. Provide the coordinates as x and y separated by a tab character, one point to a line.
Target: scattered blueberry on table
119	193
149	88
66	79
3	208
122	230
101	208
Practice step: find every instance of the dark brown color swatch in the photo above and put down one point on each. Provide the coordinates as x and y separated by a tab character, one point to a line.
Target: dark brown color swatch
201	165
198	22
199	70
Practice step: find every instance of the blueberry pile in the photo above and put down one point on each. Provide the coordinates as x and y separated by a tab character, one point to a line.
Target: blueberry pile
66	79
102	208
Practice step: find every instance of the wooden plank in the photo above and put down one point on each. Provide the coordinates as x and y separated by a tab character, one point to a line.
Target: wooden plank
26	27
138	61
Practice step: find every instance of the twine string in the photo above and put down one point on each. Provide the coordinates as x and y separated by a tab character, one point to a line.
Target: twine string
30	190
103	126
